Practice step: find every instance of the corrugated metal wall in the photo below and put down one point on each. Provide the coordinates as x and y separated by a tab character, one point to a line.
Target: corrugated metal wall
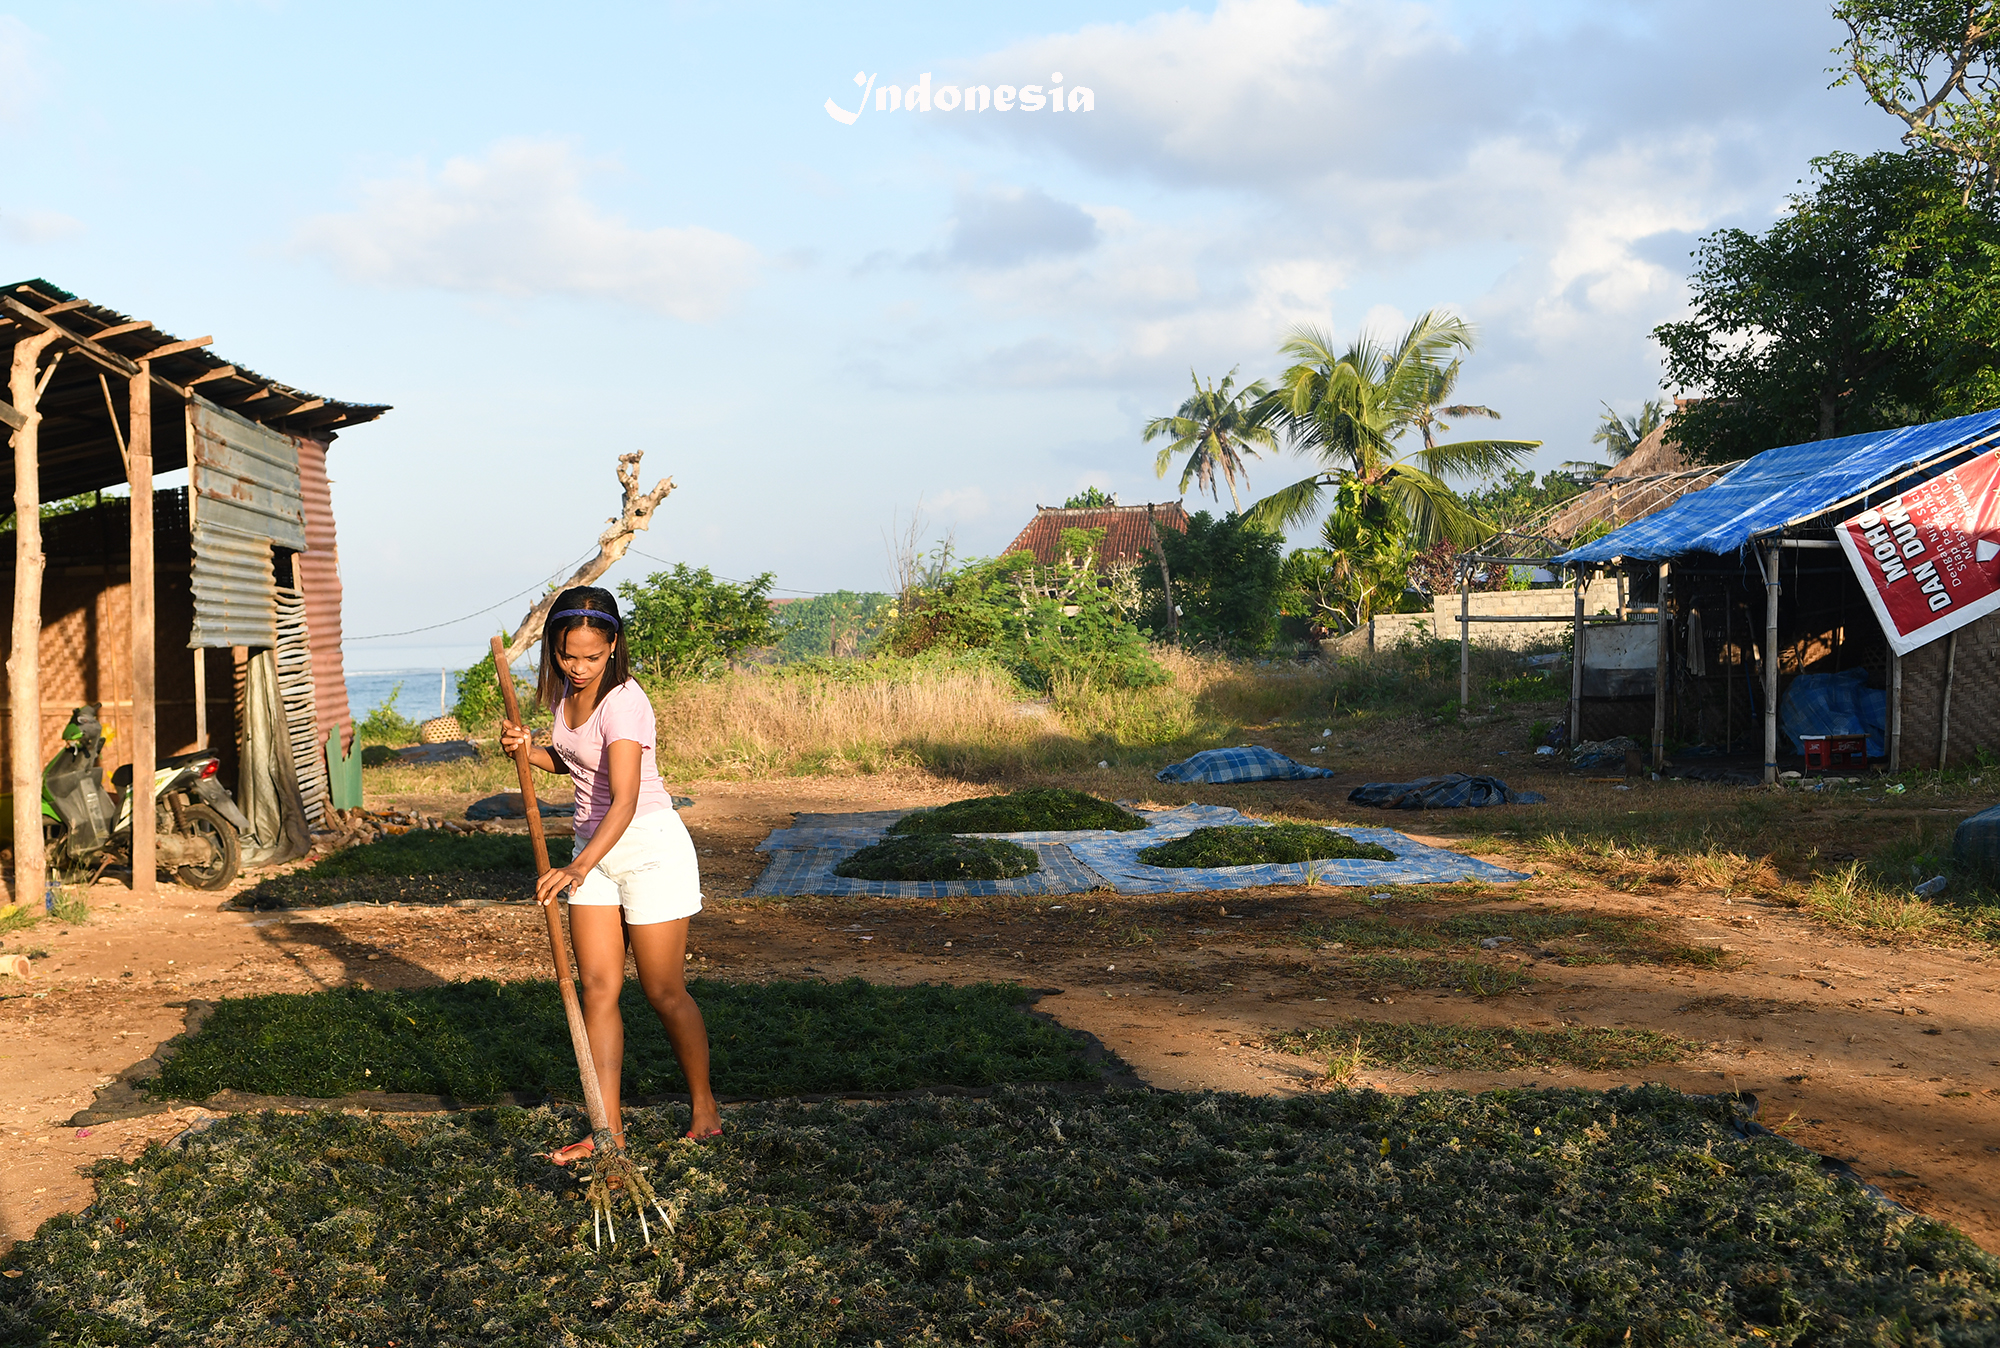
318	571
244	497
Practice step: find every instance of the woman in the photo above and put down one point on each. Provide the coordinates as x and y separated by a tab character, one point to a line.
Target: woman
634	881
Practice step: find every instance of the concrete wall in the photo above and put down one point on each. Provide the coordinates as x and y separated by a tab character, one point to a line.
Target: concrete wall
1561	603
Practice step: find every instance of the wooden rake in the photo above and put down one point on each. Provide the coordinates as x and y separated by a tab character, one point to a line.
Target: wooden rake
609	1162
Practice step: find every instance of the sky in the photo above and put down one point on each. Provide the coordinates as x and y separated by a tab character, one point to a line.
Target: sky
550	236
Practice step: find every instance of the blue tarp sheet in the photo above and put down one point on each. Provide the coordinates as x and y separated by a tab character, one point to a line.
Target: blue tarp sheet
803	858
1835	704
1780	487
1245	763
1455	792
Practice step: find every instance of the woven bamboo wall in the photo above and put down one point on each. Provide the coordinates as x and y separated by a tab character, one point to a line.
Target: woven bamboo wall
1975	697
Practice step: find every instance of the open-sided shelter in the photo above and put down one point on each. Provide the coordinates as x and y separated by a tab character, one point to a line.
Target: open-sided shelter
197	614
1744	586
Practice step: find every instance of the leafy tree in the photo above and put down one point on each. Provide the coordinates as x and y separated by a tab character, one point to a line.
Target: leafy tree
1934	65
1226	578
1871	303
1348	409
1620	436
1090	498
1215	428
1516	498
1361	566
686	624
1043	623
844	623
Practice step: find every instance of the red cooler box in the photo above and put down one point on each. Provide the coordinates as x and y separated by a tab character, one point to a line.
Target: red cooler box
1834	751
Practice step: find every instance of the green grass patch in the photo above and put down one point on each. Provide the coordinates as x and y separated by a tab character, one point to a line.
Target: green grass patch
1572	938
1040	810
476	1040
1251	845
1558	1217
1479	1048
1478	977
927	856
435	852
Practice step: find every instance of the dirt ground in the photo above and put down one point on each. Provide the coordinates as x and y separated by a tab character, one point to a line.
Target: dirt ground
1886	1056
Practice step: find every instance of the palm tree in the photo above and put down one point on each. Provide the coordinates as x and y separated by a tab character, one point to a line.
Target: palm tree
1348	409
1620	436
1215	428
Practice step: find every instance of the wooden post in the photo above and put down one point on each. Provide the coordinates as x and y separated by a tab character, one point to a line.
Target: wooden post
1944	703
1465	636
1661	632
24	669
1895	712
1576	663
145	750
200	698
1166	577
1769	557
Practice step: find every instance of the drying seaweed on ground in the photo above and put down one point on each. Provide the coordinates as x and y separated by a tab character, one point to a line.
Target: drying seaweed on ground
478	1040
1030	1218
431	852
1402	1045
1571	938
926	856
1250	845
1040	810
423	867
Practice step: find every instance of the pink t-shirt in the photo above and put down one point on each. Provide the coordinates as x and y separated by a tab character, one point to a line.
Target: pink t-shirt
624	713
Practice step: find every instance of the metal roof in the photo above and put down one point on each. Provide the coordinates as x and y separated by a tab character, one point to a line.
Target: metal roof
79	448
1781	488
1128	531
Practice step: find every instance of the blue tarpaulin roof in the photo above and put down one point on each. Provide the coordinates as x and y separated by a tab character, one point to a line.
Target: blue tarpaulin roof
1781	487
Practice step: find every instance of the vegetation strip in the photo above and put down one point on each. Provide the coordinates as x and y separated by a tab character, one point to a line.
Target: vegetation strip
1039	810
432	852
1572	938
1252	845
927	856
475	1041
1343	1217
1352	1044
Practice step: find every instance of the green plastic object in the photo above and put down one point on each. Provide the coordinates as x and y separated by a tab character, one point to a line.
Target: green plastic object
343	771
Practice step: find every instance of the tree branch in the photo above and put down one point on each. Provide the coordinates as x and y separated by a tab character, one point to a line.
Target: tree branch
635	514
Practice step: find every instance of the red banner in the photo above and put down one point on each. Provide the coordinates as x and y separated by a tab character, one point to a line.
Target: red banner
1929	560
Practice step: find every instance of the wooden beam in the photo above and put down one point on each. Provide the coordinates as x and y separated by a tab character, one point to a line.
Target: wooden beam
145	725
263	392
223	373
306	406
24	661
62	308
137	325
108	357
175	348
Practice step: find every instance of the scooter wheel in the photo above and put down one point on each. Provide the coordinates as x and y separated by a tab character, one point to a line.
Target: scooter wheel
225	849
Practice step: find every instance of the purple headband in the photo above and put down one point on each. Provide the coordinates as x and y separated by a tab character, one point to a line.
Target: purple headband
598	614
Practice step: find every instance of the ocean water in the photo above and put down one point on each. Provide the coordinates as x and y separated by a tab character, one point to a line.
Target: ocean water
415	690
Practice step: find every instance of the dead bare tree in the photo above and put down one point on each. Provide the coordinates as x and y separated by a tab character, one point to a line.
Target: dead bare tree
636	514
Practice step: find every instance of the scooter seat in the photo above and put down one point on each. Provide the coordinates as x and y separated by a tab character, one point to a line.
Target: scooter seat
121	776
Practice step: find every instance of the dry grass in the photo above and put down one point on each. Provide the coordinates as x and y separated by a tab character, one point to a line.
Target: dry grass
1853	900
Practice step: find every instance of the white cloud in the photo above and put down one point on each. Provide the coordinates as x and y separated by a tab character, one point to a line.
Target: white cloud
516	222
33	228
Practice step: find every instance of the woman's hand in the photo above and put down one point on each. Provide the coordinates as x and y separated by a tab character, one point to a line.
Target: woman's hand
513	736
556	880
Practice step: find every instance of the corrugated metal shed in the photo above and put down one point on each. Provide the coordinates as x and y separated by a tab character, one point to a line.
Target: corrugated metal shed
1783	487
1128	531
243	476
318	569
235	596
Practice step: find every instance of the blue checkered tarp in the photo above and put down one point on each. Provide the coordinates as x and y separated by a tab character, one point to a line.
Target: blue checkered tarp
803	859
1454	792
1244	763
1835	704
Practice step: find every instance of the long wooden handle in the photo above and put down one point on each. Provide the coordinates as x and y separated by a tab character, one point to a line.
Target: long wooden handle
579	1038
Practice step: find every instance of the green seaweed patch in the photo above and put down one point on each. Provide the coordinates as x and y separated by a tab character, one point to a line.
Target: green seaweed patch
478	1040
1039	810
927	856
1252	845
1351	1217
424	866
435	852
1482	1048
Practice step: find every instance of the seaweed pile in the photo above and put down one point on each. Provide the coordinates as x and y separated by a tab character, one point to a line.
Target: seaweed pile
1638	1216
932	856
426	866
1039	810
1254	845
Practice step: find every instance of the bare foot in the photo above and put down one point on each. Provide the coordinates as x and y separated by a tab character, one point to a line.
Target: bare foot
706	1124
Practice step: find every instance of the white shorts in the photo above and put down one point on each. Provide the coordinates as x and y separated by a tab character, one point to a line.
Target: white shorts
650	872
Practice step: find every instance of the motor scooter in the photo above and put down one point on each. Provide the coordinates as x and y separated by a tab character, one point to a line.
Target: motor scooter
198	827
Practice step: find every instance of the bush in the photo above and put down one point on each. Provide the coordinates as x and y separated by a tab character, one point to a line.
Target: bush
1041	810
1249	845
831	626
940	857
1226	579
385	725
686	624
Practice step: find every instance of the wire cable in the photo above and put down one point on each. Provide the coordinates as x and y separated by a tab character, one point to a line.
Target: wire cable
453	622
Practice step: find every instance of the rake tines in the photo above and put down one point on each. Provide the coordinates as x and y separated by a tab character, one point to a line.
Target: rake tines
612	1169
